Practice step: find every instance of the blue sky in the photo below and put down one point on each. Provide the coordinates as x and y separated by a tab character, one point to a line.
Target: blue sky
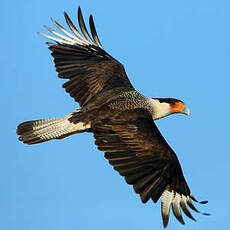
177	49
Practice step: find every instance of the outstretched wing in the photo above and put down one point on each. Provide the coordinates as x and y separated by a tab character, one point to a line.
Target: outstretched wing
81	59
137	150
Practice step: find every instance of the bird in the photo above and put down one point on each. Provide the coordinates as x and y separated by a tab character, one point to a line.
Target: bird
121	119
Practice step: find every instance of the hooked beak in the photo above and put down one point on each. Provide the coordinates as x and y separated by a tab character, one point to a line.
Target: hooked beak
186	111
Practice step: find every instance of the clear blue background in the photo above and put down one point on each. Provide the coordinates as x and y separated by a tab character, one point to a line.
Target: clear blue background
176	48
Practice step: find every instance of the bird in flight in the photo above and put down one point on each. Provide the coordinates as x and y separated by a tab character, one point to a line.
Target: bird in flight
120	118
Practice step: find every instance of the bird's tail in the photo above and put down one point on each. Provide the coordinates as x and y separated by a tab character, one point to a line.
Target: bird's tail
37	131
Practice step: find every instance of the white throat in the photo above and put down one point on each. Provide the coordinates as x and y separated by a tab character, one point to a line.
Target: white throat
159	109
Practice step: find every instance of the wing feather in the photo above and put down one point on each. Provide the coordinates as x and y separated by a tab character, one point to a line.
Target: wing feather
176	208
166	200
81	59
137	150
184	207
93	31
82	26
65	31
74	30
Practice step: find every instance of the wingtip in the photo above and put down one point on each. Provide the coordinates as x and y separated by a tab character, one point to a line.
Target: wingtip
46	27
203	202
65	14
206	214
165	220
53	20
82	26
200	202
165	224
93	31
79	11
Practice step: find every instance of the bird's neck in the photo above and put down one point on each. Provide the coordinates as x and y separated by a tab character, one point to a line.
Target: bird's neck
159	109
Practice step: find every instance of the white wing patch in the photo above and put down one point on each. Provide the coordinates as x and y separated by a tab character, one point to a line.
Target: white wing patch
74	38
171	198
176	208
166	200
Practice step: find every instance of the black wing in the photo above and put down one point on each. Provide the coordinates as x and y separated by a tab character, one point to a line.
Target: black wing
136	149
81	59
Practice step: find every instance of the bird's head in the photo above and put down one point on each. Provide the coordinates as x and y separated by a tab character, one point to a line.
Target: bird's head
166	106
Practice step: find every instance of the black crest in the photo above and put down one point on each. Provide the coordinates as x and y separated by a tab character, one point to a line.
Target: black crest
168	100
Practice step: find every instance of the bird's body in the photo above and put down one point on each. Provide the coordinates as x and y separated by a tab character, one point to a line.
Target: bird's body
120	118
82	119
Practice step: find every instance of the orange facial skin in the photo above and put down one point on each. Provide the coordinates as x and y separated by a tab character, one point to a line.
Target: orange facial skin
178	107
